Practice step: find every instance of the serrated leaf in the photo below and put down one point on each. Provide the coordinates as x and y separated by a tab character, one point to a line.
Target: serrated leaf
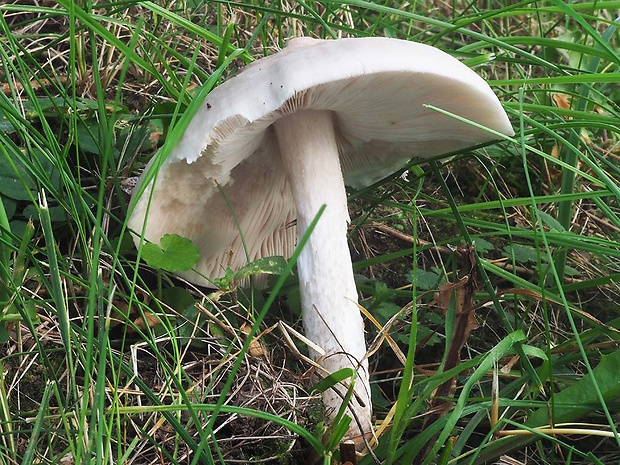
427	335
175	253
385	311
425	280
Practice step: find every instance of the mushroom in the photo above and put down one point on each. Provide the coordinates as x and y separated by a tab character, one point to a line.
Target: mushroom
281	139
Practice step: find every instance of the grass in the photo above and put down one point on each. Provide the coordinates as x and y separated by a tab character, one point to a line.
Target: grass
107	360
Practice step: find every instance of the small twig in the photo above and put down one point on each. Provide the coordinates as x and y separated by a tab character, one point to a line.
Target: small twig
564	429
407	238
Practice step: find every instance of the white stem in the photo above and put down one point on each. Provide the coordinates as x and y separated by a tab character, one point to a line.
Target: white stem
331	316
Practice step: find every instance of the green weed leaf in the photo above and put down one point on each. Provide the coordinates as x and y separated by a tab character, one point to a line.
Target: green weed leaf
521	253
18	170
532	351
425	280
267	265
483	246
551	222
580	399
175	253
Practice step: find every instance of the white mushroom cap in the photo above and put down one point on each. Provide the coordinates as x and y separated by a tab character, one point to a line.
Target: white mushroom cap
376	89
